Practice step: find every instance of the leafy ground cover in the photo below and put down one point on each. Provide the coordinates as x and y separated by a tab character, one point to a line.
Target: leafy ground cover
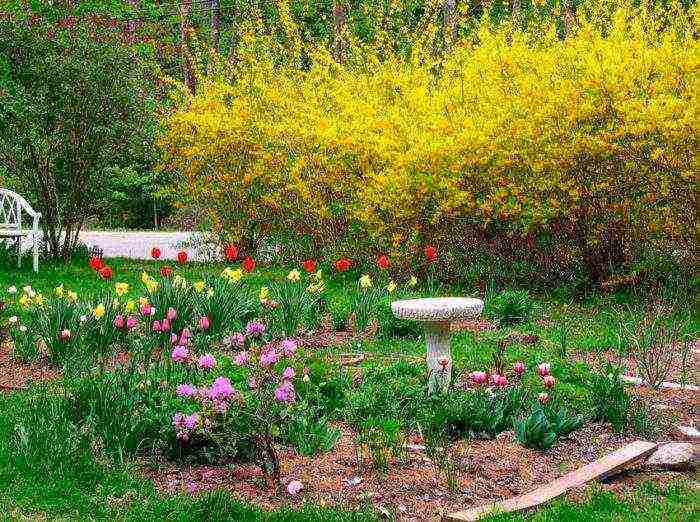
276	373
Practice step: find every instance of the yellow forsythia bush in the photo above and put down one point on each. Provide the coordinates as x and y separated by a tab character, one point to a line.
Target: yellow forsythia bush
587	144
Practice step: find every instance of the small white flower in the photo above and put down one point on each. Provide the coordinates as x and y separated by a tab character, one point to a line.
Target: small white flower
83	318
29	291
12	290
13	320
22	328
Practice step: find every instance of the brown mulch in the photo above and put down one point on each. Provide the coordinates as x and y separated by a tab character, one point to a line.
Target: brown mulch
15	374
487	470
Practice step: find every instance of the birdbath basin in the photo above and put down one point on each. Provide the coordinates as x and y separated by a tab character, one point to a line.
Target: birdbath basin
437	314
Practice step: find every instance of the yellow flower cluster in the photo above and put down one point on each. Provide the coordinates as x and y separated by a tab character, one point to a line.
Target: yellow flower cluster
514	135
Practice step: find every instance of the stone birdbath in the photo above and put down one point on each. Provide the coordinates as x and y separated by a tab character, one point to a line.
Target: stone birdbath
437	314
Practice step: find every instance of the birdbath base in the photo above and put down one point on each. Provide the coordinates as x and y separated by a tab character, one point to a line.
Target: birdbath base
437	314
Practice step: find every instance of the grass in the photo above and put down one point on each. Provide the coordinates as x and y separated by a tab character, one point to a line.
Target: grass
50	468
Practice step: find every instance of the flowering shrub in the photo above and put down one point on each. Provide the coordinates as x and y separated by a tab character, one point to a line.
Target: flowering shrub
263	397
571	155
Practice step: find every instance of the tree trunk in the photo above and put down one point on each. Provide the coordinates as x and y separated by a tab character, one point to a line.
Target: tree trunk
215	24
448	21
184	50
517	12
131	22
569	17
339	19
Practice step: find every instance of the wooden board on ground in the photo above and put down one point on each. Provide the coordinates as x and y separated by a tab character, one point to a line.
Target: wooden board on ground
601	468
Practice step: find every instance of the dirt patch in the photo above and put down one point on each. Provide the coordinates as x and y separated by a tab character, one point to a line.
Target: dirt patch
15	374
487	470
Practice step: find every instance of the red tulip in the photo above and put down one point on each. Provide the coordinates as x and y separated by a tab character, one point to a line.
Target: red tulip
430	253
519	367
543	397
549	381
96	263
182	257
231	252
166	271
342	264
248	264
309	265
155	252
383	262
543	369
106	272
64	335
443	361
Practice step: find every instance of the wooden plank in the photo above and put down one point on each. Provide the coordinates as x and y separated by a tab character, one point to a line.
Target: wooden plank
601	468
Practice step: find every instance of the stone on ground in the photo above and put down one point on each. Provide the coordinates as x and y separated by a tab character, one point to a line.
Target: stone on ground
674	456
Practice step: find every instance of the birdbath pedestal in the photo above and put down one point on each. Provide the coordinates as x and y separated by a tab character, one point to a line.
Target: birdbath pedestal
437	314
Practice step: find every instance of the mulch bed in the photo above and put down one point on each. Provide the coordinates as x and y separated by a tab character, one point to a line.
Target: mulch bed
488	470
15	374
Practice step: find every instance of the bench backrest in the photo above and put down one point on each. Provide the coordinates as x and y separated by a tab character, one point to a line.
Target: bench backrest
11	207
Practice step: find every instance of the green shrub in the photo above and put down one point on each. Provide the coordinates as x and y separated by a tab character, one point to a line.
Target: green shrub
510	307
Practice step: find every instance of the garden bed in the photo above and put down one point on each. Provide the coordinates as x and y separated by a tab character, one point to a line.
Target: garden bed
488	470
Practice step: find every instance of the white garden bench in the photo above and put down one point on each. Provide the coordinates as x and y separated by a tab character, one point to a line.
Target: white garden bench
11	207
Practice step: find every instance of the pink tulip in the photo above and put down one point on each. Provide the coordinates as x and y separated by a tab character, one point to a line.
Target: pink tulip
478	377
156	326
147	310
543	369
543	398
499	380
131	322
173	338
519	367
204	322
171	314
549	381
119	321
288	373
166	325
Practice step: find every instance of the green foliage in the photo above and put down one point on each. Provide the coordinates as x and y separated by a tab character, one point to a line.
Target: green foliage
473	413
74	106
535	431
510	307
611	402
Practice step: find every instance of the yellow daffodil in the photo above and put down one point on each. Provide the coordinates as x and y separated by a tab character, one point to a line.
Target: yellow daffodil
130	306
99	311
264	293
365	281
25	301
200	286
391	287
72	296
58	291
316	288
152	286
412	281
115	303
210	292
39	300
121	288
145	278
143	301
233	275
294	275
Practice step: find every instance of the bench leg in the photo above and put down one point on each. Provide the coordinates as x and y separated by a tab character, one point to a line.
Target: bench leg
35	246
19	252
